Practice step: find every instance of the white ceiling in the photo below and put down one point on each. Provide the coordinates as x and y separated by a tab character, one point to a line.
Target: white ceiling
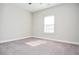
36	6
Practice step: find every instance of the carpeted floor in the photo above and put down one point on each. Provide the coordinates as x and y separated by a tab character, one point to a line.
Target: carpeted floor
30	46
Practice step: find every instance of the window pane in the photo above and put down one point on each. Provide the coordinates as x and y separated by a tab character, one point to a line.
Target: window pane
49	20
49	28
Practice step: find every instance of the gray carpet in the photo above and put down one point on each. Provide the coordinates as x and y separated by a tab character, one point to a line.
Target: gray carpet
19	47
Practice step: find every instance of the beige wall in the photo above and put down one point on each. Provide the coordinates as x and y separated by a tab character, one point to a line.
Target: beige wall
15	22
66	17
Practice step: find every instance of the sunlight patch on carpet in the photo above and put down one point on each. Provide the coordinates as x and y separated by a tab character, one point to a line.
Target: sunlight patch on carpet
36	43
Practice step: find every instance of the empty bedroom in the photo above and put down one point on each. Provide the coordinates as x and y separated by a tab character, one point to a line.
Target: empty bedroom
39	29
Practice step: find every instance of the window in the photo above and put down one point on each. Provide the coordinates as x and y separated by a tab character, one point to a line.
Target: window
49	24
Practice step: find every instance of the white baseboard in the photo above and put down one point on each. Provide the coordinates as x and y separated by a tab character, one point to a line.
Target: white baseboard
57	40
14	39
63	41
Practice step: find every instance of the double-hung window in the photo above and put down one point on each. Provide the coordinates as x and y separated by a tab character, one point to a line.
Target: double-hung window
49	24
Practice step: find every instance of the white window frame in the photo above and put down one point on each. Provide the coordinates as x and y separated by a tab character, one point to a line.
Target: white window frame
53	24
